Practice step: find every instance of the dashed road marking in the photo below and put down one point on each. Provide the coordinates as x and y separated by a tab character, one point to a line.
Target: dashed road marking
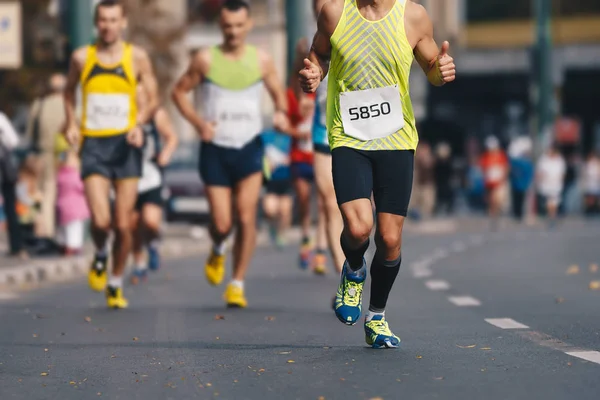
506	323
593	356
437	285
464	301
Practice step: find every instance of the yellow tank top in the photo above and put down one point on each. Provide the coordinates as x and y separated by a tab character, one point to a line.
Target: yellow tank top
109	95
372	58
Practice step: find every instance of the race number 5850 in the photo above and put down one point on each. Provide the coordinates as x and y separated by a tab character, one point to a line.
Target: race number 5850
372	111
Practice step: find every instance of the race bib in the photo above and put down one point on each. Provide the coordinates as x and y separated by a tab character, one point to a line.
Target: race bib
238	122
305	145
107	111
372	113
151	177
495	174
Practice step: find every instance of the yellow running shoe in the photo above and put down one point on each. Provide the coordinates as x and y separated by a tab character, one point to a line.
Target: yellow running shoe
320	262
97	276
234	297
115	299
215	268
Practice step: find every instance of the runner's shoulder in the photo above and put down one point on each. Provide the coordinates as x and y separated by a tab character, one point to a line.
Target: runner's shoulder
265	59
415	14
139	53
202	59
79	55
330	16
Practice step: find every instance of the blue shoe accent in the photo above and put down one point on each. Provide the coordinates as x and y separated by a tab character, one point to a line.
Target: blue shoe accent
348	300
153	258
378	334
138	276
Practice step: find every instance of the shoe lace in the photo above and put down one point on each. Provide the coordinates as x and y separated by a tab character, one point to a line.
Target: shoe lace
380	327
352	293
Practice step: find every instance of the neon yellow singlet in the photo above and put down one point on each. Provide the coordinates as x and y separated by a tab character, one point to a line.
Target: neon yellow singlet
109	95
370	55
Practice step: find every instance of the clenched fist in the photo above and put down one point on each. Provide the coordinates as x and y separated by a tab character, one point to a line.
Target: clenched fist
310	76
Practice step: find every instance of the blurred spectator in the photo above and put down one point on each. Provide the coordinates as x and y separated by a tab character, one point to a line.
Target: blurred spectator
46	120
71	204
443	172
495	166
521	173
475	186
568	202
591	184
8	179
28	196
550	177
424	196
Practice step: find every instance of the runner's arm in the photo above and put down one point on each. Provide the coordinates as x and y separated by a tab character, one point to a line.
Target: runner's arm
426	52
71	87
147	81
165	128
190	79
320	51
273	84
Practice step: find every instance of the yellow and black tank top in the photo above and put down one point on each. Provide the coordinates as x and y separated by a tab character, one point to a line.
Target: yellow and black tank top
370	56
231	97
109	95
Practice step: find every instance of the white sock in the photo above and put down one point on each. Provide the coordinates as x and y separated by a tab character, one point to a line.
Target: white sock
237	283
219	249
115	281
370	314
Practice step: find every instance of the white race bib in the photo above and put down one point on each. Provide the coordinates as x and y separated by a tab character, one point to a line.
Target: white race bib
107	111
306	145
151	177
495	174
372	113
238	121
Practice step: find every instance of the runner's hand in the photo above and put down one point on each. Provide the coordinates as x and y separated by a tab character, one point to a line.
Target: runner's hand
281	122
135	136
207	131
164	158
446	63
72	135
310	76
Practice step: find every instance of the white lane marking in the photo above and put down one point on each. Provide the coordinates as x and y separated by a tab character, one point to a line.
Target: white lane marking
437	285
464	301
593	356
506	323
422	273
7	296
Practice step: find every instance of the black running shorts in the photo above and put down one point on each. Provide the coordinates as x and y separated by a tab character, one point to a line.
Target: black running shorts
112	157
388	174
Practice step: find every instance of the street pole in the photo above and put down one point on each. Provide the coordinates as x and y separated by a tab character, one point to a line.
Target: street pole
80	22
543	75
295	22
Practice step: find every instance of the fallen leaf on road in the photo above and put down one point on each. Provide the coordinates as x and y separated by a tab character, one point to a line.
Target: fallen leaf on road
419	357
135	339
88	319
285	352
99	393
235	381
291	361
467	347
439	378
559	300
44	374
261	370
72	383
34	335
182	378
113	356
376	398
595	285
217	338
573	270
46	350
209	384
219	317
594	268
269	318
321	398
485	348
342	379
482	369
398	380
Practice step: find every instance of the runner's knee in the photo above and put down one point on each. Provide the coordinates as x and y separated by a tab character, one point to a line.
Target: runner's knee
101	223
359	229
389	242
221	228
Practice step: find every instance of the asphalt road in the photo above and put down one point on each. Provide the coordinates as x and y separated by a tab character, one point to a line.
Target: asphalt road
456	297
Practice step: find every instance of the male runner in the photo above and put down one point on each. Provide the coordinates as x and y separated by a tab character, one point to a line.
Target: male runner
109	72
231	77
370	46
147	218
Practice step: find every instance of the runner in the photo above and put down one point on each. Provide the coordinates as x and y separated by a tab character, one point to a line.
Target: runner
372	134
109	72
231	77
278	200
550	177
495	167
148	215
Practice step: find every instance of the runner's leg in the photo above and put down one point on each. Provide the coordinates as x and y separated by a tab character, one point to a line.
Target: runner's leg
125	198
303	190
220	202
97	192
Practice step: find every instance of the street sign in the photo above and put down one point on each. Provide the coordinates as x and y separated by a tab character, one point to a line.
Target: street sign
11	40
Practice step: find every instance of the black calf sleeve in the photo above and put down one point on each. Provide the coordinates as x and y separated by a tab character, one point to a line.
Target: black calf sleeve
354	256
383	275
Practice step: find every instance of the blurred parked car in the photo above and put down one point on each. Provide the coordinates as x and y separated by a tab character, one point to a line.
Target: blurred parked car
184	191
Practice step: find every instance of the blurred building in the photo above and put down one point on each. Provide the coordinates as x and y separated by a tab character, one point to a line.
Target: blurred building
492	93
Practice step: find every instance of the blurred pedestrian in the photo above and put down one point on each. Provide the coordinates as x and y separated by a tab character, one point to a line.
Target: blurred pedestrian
495	166
29	199
550	176
591	184
73	211
8	180
424	190
444	174
46	120
521	173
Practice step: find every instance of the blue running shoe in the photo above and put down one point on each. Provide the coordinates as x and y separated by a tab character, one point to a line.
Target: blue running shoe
139	276
348	299
378	334
153	258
